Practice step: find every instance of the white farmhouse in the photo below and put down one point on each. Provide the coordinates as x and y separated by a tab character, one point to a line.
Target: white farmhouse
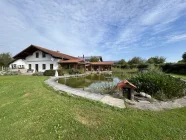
38	59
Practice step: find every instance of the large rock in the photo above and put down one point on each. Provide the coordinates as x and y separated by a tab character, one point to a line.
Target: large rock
130	102
142	94
113	101
148	96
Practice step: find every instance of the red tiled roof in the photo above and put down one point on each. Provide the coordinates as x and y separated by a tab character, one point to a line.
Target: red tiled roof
71	61
124	83
102	63
29	50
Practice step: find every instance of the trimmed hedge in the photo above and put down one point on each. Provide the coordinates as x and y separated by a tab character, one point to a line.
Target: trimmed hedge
52	73
127	66
10	72
174	68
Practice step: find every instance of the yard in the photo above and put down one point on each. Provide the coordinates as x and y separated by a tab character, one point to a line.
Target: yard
179	76
29	109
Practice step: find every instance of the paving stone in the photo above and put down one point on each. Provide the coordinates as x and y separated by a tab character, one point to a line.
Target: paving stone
113	101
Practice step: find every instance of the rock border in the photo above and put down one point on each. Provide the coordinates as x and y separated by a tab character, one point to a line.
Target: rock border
106	99
160	105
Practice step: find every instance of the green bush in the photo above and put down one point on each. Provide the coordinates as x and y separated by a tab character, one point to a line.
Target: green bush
142	66
159	85
74	71
81	70
11	73
60	72
52	73
49	73
179	68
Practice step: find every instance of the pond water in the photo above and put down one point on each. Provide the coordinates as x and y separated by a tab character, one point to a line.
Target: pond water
93	81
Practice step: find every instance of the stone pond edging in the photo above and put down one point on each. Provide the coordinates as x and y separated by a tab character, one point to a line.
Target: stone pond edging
106	99
160	105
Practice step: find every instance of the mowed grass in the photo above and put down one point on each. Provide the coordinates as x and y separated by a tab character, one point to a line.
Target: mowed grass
179	76
29	109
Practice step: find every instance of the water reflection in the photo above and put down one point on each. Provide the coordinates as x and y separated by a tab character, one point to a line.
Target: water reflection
91	81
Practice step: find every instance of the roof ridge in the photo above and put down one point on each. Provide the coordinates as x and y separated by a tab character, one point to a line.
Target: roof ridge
52	51
48	51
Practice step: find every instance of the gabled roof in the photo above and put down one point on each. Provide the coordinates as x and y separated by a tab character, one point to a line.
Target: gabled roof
32	48
124	83
102	63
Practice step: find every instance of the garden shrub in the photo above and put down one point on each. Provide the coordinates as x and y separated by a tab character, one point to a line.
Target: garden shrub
11	73
142	66
73	71
60	72
179	68
132	66
52	73
159	85
49	73
81	70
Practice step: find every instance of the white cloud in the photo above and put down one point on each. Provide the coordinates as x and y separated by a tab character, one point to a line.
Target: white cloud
87	27
176	38
164	12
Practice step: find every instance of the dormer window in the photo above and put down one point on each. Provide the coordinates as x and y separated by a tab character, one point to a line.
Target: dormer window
37	55
44	55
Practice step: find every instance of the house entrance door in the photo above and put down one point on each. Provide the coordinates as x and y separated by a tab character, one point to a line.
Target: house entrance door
29	66
36	67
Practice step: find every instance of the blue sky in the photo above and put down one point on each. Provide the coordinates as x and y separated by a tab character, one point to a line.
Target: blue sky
114	29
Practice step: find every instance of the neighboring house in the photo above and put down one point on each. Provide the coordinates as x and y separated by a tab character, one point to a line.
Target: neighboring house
39	59
88	58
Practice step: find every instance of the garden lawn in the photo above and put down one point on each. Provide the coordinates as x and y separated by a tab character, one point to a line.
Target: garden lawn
29	109
180	76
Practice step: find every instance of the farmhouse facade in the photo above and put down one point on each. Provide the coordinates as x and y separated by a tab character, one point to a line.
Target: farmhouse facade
38	59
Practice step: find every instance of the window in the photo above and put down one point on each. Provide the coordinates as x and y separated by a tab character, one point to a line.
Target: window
14	66
51	66
44	55
30	66
37	55
44	66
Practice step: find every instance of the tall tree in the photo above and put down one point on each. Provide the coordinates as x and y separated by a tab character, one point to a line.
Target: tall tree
156	60
136	60
94	59
184	56
5	59
121	62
